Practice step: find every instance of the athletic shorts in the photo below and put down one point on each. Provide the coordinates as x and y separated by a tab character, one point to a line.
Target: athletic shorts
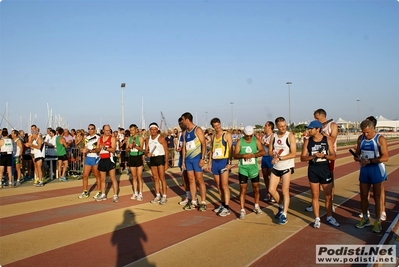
91	161
279	173
135	161
319	173
244	179
266	162
38	159
193	165
105	165
218	165
372	173
157	161
63	157
6	160
331	165
17	160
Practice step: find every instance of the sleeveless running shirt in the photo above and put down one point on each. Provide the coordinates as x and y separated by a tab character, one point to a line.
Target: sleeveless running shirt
282	143
220	150
193	144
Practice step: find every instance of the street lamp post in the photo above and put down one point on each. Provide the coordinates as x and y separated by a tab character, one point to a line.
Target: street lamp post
123	85
232	116
289	104
358	113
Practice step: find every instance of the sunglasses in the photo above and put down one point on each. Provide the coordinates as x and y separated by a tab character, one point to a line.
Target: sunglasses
248	136
90	129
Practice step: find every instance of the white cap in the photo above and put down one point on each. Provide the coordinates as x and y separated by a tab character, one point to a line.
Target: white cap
249	130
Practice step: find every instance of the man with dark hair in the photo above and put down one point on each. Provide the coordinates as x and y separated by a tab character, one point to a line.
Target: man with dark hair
266	164
194	152
318	150
135	148
330	129
179	148
283	148
220	164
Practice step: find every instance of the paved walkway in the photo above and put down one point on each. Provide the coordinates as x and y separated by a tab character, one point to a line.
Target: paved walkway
50	226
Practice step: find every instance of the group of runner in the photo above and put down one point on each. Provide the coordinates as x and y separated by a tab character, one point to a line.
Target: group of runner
277	149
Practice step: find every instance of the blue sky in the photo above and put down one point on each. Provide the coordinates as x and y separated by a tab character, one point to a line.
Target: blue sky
197	56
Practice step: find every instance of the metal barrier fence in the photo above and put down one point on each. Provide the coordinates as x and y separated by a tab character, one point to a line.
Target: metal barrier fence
75	163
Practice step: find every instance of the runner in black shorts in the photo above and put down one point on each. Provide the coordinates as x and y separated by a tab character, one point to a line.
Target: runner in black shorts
318	150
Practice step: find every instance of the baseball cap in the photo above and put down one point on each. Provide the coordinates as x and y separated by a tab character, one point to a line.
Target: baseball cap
315	124
249	130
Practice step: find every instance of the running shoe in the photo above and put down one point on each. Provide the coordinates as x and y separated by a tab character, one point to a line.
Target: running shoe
224	212
155	200
101	197
278	214
333	222
202	207
258	210
269	198
377	227
316	223
140	197
36	181
84	195
183	202
363	223
383	216
40	184
97	195
309	208
242	215
283	219
17	183
115	199
218	209
189	206
63	179
163	201
134	197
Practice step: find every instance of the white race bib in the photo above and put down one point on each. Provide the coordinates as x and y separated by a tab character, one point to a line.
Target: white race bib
217	154
250	161
190	145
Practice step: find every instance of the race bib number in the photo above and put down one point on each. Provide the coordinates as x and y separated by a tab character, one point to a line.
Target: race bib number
190	145
250	161
217	153
367	154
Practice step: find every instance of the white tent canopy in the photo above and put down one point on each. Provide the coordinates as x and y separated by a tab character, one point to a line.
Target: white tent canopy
342	121
383	122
